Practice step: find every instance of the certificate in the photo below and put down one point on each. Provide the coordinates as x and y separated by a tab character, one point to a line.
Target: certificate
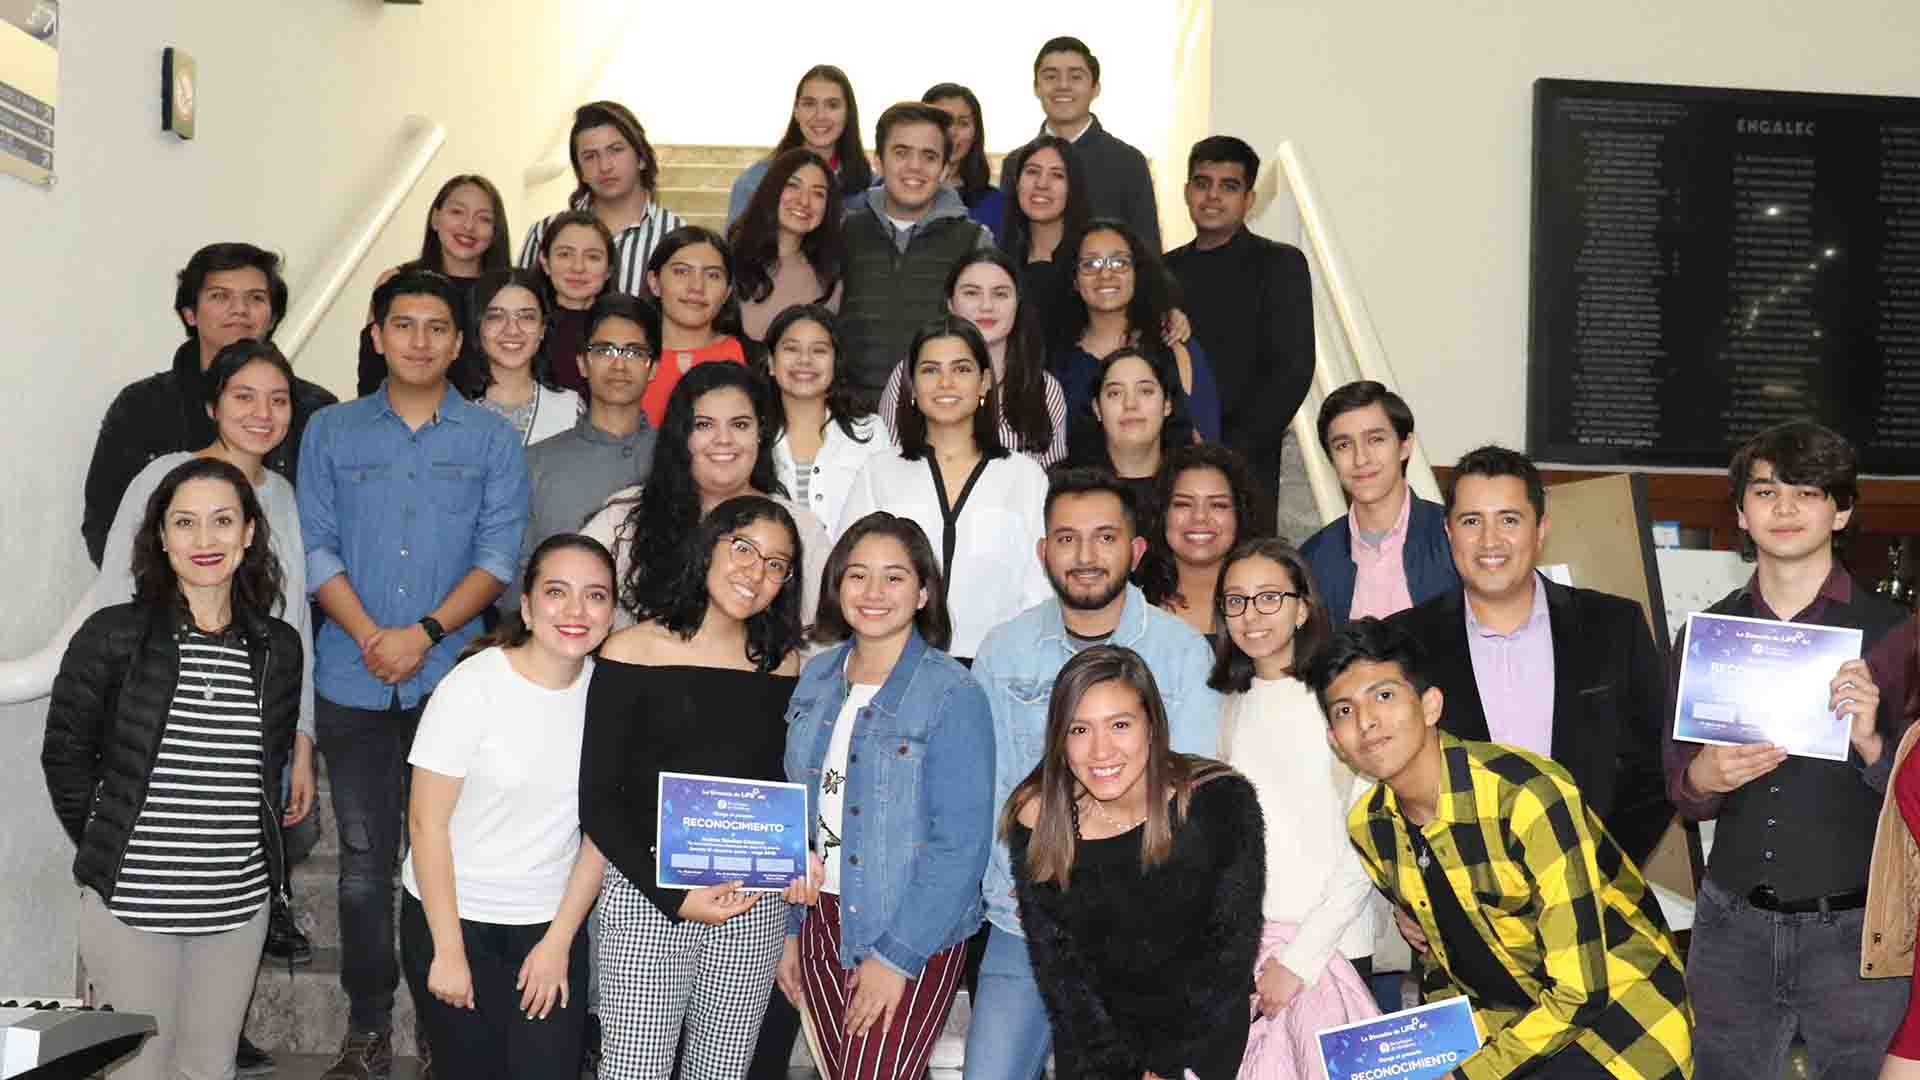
714	829
1756	680
1420	1043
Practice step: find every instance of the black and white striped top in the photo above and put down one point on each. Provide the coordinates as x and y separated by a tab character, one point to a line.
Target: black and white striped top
635	243
195	863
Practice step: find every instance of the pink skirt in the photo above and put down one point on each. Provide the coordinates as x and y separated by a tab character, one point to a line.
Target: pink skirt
1283	1047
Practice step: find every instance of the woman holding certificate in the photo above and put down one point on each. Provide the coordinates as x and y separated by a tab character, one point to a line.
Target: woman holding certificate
1139	873
498	879
894	741
700	685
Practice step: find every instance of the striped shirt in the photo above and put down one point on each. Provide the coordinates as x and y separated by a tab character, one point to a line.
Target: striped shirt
195	863
635	243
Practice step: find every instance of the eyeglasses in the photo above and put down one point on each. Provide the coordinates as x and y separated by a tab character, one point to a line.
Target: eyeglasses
745	553
525	318
607	350
1234	605
1093	264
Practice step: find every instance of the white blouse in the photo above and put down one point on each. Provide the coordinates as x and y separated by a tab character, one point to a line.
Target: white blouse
996	565
831	474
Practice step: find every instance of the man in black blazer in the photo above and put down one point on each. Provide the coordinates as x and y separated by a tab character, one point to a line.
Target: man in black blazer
1587	662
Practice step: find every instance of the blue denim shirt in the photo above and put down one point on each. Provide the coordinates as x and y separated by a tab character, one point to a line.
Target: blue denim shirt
918	811
1017	664
405	515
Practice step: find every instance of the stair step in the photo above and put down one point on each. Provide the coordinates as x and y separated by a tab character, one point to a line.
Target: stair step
306	1012
676	175
696	154
688	202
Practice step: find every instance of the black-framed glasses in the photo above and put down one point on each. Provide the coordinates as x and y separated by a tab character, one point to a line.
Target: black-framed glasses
1234	605
607	350
745	553
1093	264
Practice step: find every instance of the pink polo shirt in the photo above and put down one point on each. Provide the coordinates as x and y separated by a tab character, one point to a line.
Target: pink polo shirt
1380	570
1514	673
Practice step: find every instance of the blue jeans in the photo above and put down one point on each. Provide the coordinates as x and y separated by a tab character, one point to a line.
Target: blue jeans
1756	978
1008	1038
366	752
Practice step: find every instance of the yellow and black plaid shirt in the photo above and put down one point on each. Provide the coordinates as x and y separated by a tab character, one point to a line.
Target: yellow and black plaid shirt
1555	902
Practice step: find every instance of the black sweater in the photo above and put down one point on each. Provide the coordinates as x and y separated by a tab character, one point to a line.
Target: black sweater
1152	970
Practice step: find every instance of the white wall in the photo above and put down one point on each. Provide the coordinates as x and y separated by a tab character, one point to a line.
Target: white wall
1416	121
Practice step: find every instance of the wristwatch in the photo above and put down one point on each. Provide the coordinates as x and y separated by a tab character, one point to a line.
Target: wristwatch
434	631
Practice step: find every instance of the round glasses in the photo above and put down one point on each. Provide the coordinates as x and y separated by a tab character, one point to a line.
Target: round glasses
1234	605
746	554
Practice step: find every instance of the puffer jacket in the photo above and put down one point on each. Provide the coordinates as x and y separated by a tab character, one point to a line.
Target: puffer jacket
109	711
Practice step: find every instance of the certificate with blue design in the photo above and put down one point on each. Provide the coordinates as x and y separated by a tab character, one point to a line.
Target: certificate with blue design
1757	680
715	829
1421	1043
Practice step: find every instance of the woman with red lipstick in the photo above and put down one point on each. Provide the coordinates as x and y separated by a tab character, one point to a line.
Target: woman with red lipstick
508	317
466	237
691	275
1208	502
170	723
1317	946
499	878
983	288
820	443
1115	838
1136	418
579	262
787	245
825	120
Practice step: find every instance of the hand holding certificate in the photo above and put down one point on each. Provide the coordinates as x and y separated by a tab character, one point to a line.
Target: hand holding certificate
1799	687
1422	1043
715	831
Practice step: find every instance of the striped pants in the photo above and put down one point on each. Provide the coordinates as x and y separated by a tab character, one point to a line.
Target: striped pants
899	1052
658	976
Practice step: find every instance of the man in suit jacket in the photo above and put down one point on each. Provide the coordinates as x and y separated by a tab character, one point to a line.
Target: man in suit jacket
1066	79
1567	673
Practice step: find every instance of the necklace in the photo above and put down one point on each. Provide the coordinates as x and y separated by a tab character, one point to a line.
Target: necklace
1112	823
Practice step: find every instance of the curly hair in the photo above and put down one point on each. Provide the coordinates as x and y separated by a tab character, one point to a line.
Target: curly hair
1253	513
257	581
1154	290
755	234
681	606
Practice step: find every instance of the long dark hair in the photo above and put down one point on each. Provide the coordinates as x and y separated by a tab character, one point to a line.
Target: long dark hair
1087	439
513	631
257	582
668	506
1232	669
755	234
547	239
1154	291
682	605
911	423
856	174
1158	574
1016	232
1056	830
843	403
498	255
726	318
931	622
975	178
1023	387
484	290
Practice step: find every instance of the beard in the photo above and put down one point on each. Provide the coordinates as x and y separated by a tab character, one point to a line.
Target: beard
1116	586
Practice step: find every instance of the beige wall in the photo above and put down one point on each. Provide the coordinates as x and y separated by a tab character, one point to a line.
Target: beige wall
1416	121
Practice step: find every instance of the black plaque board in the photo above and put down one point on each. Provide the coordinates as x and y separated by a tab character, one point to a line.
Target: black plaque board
1710	262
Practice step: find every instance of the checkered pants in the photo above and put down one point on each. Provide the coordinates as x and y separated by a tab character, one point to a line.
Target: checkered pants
657	976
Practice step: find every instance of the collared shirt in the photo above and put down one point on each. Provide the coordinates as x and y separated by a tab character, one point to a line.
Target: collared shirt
1017	664
1549	894
1085	126
569	478
824	483
405	515
1380	570
634	242
1515	675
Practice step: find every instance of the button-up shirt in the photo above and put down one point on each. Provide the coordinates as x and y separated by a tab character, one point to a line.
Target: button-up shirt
1380	570
634	243
405	514
1515	675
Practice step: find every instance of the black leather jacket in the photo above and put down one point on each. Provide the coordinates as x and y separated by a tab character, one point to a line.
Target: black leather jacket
109	711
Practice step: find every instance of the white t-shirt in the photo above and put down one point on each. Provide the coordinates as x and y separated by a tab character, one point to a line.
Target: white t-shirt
516	747
833	782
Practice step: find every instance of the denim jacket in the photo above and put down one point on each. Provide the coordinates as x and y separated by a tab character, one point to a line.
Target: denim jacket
919	817
1017	664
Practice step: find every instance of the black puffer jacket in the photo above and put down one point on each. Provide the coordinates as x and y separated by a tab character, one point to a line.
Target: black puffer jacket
109	711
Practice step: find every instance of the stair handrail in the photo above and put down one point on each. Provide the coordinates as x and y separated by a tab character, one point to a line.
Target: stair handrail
31	677
1364	356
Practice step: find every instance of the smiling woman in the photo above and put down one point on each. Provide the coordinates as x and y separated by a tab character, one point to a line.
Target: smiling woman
787	244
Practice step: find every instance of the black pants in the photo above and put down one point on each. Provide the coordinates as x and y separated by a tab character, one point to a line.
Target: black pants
494	1040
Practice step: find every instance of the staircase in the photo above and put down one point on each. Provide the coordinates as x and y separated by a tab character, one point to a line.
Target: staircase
694	180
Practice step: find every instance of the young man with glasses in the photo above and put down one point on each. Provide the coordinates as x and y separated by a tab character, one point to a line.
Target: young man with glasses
571	474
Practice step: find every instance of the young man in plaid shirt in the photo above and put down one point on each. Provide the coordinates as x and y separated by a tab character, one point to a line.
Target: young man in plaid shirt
1508	884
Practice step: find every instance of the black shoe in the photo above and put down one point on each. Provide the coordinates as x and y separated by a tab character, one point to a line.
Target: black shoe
250	1060
364	1055
285	942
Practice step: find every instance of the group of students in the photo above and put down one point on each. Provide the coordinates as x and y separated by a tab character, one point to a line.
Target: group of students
926	494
